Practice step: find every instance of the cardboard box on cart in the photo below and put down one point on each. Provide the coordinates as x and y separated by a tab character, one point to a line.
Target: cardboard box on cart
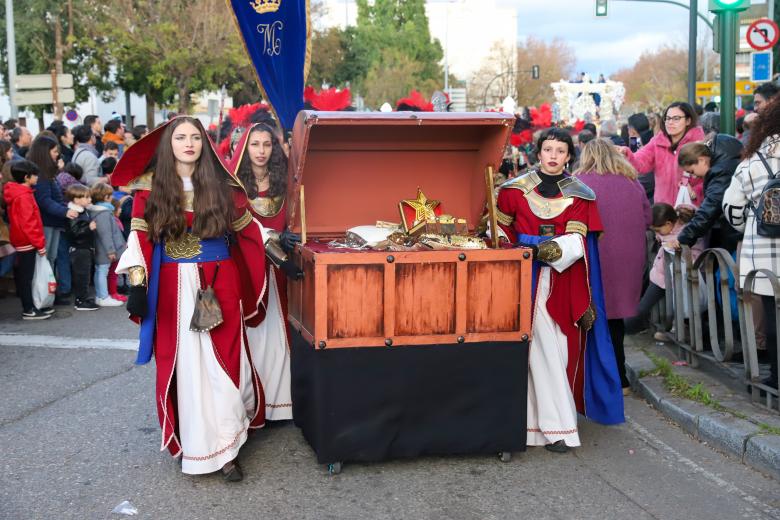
403	353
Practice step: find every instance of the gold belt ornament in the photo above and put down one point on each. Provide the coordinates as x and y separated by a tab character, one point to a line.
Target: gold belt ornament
188	246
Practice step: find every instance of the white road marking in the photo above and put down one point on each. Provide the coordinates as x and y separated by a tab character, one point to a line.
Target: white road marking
31	340
727	487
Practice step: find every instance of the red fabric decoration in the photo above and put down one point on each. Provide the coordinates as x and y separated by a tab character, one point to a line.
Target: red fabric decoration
242	116
224	147
579	124
416	100
542	117
521	138
329	100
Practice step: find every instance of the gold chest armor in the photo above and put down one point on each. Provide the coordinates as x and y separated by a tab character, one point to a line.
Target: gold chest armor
547	208
268	206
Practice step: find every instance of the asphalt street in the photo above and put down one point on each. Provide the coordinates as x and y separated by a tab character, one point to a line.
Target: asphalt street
79	435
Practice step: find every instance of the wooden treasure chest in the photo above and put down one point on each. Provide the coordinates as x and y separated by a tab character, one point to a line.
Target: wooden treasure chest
355	169
392	351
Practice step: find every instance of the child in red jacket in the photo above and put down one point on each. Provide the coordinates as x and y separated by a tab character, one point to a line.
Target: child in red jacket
26	233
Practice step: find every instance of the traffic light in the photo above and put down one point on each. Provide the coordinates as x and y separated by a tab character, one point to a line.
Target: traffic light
601	7
535	72
718	6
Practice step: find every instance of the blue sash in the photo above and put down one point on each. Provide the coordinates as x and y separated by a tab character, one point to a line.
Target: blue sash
212	250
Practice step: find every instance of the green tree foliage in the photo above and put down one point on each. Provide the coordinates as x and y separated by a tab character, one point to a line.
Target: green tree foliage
393	36
389	52
329	51
169	57
37	24
393	76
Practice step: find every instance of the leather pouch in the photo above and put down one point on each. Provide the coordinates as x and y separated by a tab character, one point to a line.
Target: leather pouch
208	313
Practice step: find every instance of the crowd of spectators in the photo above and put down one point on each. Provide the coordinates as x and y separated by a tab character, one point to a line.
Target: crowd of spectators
58	202
685	171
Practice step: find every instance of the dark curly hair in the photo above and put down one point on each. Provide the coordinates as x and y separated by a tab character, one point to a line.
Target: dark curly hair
767	125
277	166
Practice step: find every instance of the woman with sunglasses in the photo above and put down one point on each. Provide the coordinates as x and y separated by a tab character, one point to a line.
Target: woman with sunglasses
659	156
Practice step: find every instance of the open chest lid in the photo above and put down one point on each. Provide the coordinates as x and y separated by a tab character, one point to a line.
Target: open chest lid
357	167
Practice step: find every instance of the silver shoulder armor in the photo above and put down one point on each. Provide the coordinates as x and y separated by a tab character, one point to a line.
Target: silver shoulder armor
573	187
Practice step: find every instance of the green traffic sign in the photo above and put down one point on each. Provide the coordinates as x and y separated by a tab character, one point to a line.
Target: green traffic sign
717	6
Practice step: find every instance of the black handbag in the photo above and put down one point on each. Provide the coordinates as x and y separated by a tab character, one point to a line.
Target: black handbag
207	314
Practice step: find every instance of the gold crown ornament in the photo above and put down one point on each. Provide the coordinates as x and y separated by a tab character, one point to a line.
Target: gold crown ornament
266	6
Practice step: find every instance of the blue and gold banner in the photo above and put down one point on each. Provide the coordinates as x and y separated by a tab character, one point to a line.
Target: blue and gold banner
276	36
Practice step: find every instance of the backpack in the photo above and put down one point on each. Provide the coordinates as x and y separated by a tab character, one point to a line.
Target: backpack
767	208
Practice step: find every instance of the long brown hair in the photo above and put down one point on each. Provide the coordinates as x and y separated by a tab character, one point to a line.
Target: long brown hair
767	125
212	205
277	166
40	154
602	157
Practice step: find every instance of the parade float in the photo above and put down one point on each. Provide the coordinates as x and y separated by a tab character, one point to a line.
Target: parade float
587	101
409	334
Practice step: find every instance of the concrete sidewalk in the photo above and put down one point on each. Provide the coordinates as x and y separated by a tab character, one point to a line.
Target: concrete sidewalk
704	404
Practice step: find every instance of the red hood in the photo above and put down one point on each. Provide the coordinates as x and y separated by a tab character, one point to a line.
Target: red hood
13	191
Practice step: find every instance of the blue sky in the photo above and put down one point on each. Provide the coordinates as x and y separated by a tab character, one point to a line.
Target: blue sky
604	45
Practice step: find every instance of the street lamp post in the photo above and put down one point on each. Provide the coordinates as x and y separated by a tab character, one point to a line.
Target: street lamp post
11	46
693	10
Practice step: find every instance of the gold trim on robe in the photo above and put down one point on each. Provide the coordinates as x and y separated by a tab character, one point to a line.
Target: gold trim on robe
138	224
242	221
575	226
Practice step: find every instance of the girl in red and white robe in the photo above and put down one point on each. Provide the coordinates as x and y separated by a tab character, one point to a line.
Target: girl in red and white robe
208	394
260	163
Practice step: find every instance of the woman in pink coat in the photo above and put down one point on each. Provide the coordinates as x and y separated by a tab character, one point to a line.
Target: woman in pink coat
660	154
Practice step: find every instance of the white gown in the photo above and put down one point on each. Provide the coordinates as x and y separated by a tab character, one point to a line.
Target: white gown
213	415
552	413
271	356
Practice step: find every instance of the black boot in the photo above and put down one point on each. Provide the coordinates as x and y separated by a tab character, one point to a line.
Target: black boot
557	447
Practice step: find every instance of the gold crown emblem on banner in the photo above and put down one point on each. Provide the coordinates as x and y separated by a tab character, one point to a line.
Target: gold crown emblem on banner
266	6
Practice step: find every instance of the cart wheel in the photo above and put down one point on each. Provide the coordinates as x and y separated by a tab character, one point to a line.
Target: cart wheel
505	456
334	468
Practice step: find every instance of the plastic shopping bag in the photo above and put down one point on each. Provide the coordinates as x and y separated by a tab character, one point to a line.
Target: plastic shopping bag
44	284
683	198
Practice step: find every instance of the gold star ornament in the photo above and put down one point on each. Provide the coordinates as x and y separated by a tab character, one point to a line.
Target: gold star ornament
423	209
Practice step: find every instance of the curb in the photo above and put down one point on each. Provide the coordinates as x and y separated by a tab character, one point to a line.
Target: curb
720	430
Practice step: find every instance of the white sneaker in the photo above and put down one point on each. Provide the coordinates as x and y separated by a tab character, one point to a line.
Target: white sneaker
108	302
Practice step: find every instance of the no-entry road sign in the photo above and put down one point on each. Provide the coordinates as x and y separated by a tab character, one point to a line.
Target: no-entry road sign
762	34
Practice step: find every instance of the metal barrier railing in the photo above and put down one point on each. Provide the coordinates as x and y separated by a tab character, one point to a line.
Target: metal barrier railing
754	381
682	308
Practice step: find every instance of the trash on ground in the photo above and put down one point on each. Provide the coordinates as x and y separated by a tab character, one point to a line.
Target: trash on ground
125	508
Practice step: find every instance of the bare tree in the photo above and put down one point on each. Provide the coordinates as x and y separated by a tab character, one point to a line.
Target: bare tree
495	79
556	61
